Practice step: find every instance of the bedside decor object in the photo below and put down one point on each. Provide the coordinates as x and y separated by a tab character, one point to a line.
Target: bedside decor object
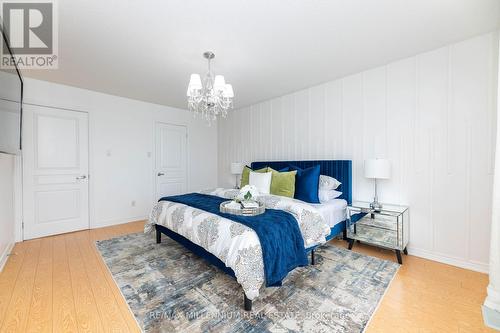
387	228
244	203
377	169
246	209
248	192
236	170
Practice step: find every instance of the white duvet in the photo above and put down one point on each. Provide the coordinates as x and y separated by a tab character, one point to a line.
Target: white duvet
235	244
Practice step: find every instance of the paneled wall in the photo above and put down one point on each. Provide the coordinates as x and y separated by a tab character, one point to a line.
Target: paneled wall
432	115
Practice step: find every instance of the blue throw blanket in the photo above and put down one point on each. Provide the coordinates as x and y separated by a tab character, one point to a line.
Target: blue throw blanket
278	231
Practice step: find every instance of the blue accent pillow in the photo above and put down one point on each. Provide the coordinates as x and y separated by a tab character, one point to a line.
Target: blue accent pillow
307	183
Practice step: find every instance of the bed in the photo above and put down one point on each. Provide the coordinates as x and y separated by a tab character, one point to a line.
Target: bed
230	245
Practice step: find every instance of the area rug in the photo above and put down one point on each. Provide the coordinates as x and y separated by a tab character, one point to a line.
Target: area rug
170	289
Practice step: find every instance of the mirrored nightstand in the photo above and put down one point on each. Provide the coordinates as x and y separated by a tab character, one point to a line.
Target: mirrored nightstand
387	228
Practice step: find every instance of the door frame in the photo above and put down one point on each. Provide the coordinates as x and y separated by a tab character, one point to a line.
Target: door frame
153	165
19	222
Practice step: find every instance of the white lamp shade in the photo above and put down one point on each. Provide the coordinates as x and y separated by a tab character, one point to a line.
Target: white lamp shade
236	168
228	91
378	168
194	82
219	83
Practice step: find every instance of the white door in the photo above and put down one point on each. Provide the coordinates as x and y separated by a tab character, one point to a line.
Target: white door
55	166
171	160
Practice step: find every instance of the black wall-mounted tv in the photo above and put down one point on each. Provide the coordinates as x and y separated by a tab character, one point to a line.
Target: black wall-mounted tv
11	100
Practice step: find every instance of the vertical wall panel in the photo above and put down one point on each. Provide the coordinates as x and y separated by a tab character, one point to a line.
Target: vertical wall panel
375	138
431	115
265	136
472	93
333	120
353	129
237	142
289	126
374	123
400	92
302	123
253	139
277	147
246	136
430	160
317	120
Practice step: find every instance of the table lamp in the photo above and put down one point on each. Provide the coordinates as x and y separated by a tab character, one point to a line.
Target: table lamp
236	170
377	169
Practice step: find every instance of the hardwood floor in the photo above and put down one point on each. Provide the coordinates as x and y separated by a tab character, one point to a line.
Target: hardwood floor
61	284
427	296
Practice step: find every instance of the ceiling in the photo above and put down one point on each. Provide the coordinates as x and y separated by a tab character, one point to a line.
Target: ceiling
147	49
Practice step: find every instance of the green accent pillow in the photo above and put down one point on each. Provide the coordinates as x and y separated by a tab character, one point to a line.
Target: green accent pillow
245	175
283	183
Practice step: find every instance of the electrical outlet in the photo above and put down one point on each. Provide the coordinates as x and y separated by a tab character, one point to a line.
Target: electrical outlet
132	203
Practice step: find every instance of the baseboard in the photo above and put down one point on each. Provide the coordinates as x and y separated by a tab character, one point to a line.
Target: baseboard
491	317
108	223
472	265
5	255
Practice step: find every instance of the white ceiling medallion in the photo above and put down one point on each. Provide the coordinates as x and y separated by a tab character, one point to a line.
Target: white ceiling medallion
212	98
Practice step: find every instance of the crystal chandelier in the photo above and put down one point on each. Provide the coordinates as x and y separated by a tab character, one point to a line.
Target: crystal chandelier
212	98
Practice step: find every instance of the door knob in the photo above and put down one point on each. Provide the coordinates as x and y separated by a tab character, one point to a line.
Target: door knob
161	174
81	177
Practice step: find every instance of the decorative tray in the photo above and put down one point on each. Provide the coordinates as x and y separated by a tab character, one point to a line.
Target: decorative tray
242	211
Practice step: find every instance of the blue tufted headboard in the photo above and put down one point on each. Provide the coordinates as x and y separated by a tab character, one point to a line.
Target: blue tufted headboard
338	169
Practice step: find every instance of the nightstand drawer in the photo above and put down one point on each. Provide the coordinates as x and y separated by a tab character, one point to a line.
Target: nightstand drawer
378	230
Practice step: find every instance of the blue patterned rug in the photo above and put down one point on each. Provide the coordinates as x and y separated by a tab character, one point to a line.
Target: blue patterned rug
169	289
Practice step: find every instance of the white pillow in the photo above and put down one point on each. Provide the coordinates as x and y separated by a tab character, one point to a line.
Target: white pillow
328	195
261	180
328	183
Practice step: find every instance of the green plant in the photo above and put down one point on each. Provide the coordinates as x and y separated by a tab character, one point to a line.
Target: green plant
248	196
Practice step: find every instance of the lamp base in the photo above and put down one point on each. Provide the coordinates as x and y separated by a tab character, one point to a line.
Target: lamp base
236	186
376	206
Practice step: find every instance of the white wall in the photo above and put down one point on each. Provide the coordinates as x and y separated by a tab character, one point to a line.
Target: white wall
432	115
9	127
9	112
124	129
6	206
